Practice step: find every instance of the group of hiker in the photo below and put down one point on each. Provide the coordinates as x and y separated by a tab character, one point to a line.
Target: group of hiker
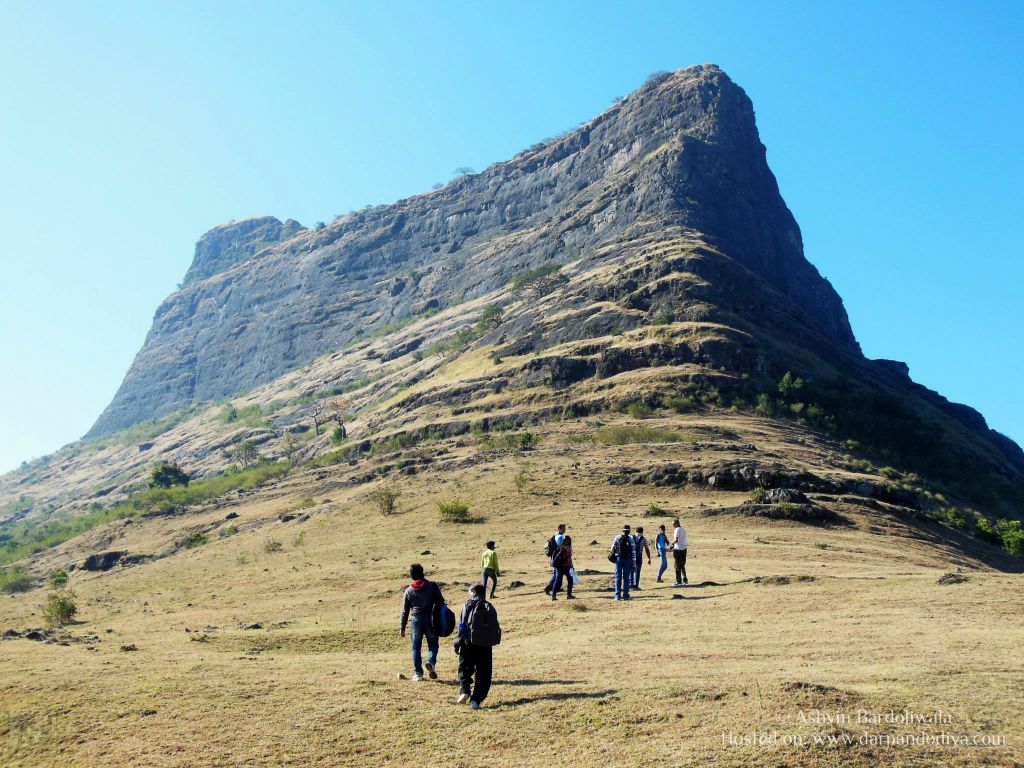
426	615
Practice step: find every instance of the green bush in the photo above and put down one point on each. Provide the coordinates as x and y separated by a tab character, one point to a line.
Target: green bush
983	530
60	608
58	579
385	498
653	510
639	411
272	545
681	404
1012	534
787	509
15	579
231	530
541	280
764	406
758	495
789	385
196	539
167	474
953	516
299	540
518	441
453	511
338	435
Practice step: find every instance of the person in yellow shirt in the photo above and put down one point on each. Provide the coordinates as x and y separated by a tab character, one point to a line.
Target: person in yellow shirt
489	562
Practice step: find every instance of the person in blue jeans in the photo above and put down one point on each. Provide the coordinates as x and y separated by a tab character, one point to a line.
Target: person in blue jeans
661	544
640	549
418	605
623	552
553	543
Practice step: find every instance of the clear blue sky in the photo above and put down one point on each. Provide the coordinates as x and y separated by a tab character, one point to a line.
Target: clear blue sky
127	130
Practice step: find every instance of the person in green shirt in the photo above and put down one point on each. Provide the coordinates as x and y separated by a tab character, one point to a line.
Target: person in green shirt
489	562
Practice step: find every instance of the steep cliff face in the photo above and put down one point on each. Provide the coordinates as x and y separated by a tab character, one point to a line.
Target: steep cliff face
229	244
681	154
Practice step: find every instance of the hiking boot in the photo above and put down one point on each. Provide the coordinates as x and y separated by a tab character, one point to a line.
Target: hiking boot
570	597
686	581
417	678
554	597
547	590
678	584
463	698
474	704
431	671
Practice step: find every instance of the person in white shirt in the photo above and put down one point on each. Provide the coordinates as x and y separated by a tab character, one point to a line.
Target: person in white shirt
679	553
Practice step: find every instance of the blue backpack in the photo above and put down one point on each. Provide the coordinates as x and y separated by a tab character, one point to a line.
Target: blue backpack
444	617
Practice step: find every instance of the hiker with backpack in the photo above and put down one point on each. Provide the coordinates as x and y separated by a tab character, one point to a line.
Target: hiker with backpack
561	561
549	550
661	544
640	548
422	608
679	545
489	563
479	632
622	555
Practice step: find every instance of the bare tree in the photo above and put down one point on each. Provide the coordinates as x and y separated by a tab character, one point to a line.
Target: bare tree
461	171
316	413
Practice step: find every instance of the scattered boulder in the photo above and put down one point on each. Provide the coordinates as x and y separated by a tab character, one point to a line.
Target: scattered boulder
426	552
780	495
952	578
230	515
129	648
103	561
285	517
254	625
515	585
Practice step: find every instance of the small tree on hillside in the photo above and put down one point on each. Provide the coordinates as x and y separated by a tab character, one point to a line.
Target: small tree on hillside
166	474
316	413
289	445
246	455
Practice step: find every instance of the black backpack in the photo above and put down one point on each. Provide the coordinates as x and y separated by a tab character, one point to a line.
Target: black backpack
551	547
482	625
624	552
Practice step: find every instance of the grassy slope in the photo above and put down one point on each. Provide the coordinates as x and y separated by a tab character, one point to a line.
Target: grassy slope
653	682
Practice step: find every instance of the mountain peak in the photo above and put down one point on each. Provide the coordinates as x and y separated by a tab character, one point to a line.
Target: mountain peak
228	244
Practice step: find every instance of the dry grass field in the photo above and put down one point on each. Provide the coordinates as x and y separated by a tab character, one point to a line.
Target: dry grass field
860	629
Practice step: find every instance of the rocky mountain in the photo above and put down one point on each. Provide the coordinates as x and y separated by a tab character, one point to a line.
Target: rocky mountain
681	154
643	266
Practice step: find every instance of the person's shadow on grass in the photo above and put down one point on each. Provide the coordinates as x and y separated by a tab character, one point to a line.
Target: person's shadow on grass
566	696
